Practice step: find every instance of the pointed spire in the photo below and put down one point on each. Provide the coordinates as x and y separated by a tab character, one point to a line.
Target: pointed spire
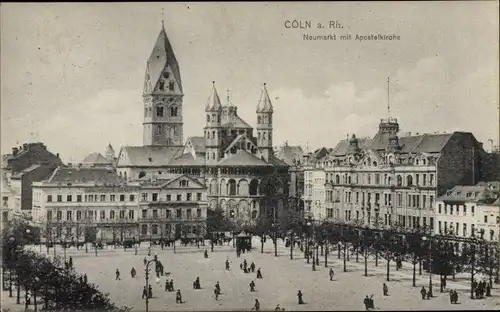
265	105
162	19
213	102
162	68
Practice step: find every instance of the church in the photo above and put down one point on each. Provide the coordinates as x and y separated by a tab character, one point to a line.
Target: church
236	162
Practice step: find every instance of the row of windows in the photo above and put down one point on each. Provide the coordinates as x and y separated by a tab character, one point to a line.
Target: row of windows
160	111
413	200
454	209
122	197
369	178
112	214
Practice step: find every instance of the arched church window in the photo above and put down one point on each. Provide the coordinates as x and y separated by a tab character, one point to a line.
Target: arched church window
171	86
208	118
258	119
173	111
162	84
213	134
159	111
218	118
409	180
270	120
263	135
269	136
145	112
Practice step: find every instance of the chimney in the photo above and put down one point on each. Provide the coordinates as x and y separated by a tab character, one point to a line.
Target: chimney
57	155
14	151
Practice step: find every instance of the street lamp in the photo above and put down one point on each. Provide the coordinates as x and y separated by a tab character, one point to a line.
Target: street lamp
425	238
275	241
147	280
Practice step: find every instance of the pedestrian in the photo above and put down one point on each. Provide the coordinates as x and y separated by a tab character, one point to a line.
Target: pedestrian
216	293
144	292
245	265
277	308
451	296
256	305
366	302
172	285
85	278
299	297
150	291
178	296
385	290
259	273
81	279
252	267
331	274
206	254
371	302
212	246
227	265
132	272
423	292
117	275
488	290
197	283
241	266
455	297
217	286
252	286
429	294
70	262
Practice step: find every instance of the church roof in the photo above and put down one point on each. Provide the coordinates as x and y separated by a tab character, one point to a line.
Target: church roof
95	158
75	175
148	156
264	105
161	56
237	122
188	160
243	158
198	143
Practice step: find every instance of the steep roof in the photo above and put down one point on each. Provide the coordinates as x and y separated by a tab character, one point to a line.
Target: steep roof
237	122
95	158
242	158
187	160
343	146
198	144
275	161
213	102
21	173
161	56
148	156
432	143
75	175
264	105
288	153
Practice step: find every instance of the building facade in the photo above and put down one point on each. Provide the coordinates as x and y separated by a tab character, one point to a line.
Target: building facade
74	199
391	178
26	164
236	163
467	211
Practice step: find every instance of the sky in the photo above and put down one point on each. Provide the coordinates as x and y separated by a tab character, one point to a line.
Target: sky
72	74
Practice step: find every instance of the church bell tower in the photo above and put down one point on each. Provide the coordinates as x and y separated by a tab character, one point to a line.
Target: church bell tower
162	96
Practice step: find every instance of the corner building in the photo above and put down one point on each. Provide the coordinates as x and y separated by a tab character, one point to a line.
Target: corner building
391	178
235	165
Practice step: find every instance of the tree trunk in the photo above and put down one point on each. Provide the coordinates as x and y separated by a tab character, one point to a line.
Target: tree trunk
338	251
419	266
414	272
345	253
261	244
357	254
10	284
388	268
326	255
18	301
453	273
321	252
366	262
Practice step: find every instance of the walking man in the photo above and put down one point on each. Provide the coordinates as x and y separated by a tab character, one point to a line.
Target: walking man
178	296
259	273
385	290
117	275
256	306
144	292
299	297
227	265
132	272
423	292
252	286
331	274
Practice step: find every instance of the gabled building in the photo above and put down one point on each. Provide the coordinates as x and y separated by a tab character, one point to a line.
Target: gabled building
235	161
74	199
394	178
